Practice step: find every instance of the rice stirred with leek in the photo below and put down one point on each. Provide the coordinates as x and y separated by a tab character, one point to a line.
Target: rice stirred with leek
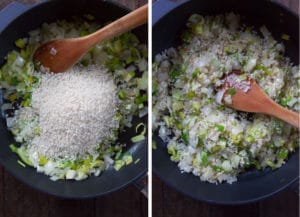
203	136
67	124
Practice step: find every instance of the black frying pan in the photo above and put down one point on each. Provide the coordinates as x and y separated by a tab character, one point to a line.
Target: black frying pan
169	19
16	21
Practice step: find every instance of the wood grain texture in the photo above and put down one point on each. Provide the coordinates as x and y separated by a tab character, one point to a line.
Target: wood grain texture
123	203
282	205
250	210
174	204
177	204
1	191
70	208
18	200
158	204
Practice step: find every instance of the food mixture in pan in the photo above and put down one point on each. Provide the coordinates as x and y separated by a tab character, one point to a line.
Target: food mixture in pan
204	136
67	124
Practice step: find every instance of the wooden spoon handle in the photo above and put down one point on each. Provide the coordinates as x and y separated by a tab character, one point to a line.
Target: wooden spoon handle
286	115
124	24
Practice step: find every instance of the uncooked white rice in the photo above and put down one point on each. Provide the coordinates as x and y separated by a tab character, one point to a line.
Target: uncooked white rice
76	111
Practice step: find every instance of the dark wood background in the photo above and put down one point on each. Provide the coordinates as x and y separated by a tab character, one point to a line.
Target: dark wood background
18	200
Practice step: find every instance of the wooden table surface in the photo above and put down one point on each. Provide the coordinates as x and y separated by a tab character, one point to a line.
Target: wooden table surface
18	200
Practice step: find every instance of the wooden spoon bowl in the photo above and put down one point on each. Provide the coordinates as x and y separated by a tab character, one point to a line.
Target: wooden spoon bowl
249	97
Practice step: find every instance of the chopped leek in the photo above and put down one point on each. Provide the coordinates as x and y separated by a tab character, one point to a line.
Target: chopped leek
220	127
143	126
195	73
137	138
129	75
22	153
284	101
141	99
119	164
122	94
232	91
154	145
42	160
118	155
217	168
21	163
171	150
204	158
143	81
271	164
127	158
174	74
185	138
285	37
20	43
282	153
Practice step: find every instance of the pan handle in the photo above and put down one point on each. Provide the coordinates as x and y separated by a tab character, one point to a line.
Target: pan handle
295	187
162	7
142	185
11	12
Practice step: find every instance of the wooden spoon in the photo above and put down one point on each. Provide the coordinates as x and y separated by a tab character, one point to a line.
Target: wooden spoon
60	55
247	96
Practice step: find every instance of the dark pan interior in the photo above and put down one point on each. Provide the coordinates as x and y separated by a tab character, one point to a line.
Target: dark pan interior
109	180
253	185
